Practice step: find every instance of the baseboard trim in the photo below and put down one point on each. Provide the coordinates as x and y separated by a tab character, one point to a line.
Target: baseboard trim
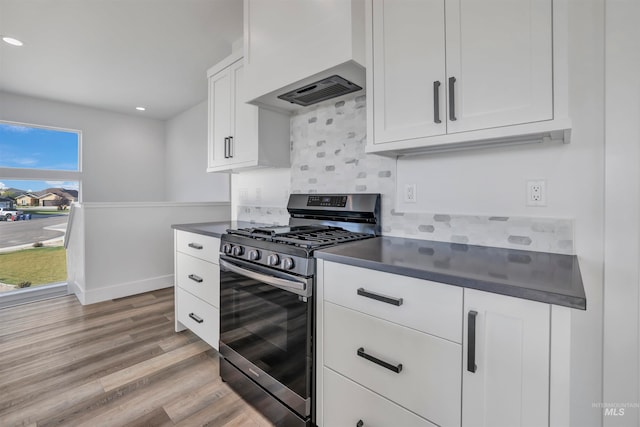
75	288
106	293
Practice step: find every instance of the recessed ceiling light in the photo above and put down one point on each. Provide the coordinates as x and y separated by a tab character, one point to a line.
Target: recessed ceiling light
140	108
12	41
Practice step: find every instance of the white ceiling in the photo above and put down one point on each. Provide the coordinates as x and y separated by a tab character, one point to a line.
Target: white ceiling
117	54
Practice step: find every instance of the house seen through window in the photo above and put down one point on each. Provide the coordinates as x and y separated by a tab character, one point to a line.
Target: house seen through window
39	181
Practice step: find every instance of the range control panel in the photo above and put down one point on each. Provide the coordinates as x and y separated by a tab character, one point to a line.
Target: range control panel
329	201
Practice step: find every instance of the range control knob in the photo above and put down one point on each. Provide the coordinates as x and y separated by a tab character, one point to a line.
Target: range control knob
238	250
226	248
254	255
287	263
273	259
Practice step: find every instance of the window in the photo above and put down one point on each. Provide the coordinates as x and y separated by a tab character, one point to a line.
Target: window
28	147
40	177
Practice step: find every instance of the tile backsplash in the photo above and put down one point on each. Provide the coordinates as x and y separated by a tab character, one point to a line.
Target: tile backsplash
327	156
327	152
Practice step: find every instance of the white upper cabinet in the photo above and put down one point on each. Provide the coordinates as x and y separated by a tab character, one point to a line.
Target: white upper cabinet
292	43
500	54
455	73
220	121
241	135
407	76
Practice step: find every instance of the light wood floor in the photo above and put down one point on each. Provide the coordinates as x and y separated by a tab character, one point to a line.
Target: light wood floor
116	363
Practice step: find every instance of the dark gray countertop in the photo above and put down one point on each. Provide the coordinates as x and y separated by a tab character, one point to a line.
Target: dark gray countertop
537	276
215	229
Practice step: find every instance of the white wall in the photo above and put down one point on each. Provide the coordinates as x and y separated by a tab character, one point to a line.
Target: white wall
122	156
123	258
186	178
266	188
622	214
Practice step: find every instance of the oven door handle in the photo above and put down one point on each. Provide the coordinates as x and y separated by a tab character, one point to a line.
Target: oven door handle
302	288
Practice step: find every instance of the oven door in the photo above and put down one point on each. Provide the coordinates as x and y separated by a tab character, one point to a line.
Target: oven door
266	329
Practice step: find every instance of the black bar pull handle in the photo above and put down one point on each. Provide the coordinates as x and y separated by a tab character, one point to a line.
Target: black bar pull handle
452	99
471	341
360	423
195	278
379	297
196	318
436	102
395	368
195	246
231	150
226	147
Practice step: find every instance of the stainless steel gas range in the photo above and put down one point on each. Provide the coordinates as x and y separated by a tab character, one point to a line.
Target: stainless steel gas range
267	284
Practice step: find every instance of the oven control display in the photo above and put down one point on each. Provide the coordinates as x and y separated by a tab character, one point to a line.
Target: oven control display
330	201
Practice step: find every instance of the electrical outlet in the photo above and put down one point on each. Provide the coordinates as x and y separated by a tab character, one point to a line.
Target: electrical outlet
244	195
410	193
536	192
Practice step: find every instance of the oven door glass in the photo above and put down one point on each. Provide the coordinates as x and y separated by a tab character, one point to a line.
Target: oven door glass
268	326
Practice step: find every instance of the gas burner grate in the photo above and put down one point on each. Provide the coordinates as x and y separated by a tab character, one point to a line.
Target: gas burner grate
309	237
320	238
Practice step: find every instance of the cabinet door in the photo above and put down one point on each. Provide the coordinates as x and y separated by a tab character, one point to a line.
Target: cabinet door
244	145
500	54
220	110
510	385
408	58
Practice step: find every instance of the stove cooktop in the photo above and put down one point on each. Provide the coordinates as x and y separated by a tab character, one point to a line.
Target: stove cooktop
306	236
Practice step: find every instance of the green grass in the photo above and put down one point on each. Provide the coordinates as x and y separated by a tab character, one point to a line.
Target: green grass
42	212
38	266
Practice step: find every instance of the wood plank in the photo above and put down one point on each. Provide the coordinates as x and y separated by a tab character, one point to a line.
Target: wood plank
186	405
56	355
148	367
121	406
51	405
25	393
57	330
223	411
156	418
177	340
75	345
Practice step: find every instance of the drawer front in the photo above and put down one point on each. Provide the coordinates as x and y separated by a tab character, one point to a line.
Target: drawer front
199	277
202	318
427	306
198	245
429	382
361	405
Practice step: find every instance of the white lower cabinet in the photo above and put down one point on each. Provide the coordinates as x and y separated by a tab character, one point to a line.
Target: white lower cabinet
348	404
505	379
417	371
429	307
386	360
201	318
198	277
197	285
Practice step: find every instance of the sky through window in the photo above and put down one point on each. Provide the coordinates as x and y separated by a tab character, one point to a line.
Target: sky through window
38	148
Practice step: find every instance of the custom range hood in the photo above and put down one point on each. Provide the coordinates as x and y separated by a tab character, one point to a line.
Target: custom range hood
308	52
327	88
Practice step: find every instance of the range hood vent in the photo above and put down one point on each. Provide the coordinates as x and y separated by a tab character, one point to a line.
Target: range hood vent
330	87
